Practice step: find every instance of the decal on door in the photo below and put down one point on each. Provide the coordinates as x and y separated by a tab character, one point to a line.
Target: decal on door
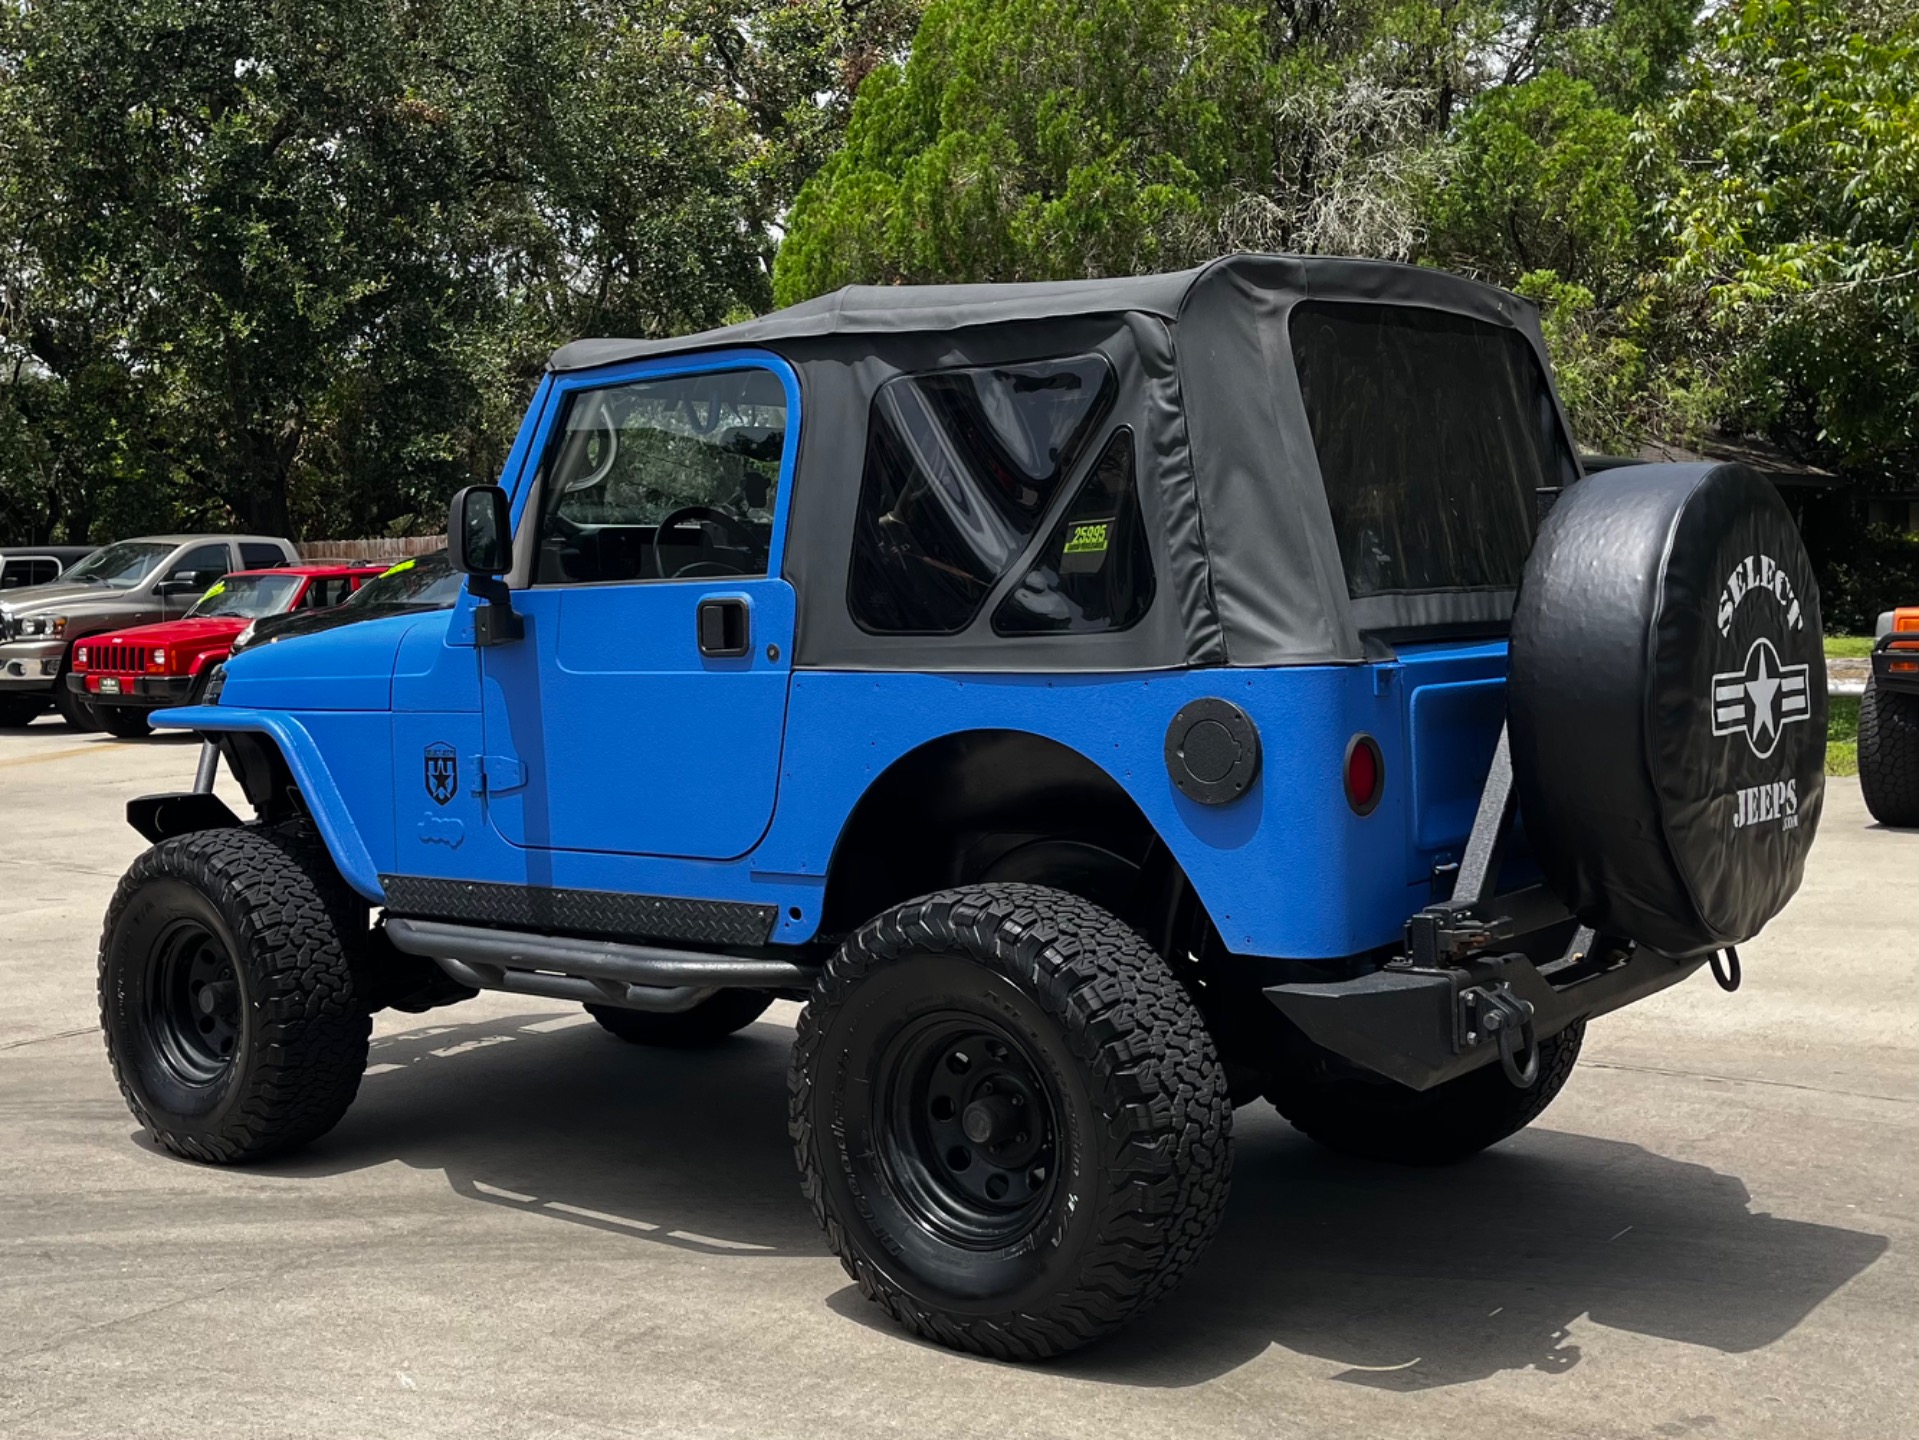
442	772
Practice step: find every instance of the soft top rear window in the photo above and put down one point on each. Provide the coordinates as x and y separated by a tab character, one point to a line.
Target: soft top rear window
1434	432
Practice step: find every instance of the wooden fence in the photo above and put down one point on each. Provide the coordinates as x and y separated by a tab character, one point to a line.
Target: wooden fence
391	549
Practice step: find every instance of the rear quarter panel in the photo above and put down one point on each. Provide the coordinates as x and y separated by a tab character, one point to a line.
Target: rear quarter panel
1288	869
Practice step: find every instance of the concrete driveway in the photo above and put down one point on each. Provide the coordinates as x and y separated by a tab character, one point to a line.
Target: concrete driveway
527	1228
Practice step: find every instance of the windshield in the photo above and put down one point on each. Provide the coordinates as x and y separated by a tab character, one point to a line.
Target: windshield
123	565
247	597
426	581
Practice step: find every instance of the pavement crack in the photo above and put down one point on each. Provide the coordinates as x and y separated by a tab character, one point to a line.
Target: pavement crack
1751	1080
42	1039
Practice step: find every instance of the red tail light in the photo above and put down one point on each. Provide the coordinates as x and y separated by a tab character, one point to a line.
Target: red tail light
1365	774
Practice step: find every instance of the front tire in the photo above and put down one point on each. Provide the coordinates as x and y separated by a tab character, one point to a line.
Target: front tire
1889	754
17	712
1384	1120
707	1023
227	994
73	708
1009	1119
123	722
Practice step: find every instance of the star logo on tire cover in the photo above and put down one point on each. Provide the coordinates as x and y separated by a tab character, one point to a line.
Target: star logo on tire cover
1760	700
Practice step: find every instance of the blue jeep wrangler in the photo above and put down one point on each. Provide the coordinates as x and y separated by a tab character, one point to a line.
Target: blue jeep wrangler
1104	703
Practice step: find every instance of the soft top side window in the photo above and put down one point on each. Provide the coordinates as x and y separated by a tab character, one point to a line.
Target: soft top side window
661	479
961	466
1096	570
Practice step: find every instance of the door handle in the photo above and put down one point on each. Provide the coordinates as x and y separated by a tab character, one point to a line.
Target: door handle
725	629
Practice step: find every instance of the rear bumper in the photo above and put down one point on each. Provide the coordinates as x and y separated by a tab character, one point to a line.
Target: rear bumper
1413	1025
149	692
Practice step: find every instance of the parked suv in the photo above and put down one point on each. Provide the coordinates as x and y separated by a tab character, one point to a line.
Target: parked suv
1889	721
24	565
131	582
126	675
1104	703
409	586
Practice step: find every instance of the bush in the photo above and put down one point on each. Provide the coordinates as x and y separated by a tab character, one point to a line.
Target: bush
1861	576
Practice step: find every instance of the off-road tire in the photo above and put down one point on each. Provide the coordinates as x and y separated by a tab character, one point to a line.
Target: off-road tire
124	722
17	712
707	1023
290	928
1383	1120
1145	1132
1889	754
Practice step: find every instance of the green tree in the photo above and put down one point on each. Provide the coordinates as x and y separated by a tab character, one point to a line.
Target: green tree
295	266
1045	138
1541	178
1795	224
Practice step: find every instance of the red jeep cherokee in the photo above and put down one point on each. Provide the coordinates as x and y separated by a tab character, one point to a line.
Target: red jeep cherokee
126	675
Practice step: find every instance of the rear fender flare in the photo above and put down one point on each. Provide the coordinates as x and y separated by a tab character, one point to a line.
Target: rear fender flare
310	773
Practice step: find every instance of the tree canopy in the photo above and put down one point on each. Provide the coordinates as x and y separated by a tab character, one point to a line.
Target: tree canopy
296	265
1718	216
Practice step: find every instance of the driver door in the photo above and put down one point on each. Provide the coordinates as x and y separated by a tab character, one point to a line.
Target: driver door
643	711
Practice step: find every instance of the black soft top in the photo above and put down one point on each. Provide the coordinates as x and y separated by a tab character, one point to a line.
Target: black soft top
930	309
1244	544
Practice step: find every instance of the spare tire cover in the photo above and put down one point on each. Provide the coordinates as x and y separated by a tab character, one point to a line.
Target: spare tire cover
1667	704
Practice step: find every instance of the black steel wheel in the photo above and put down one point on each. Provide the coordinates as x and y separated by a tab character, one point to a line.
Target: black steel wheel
193	1015
968	1128
707	1023
227	993
1009	1119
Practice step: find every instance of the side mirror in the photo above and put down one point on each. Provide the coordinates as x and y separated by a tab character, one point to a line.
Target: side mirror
479	541
479	531
172	588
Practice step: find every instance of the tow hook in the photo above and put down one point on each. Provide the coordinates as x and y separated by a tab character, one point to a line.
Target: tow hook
1493	1012
1725	969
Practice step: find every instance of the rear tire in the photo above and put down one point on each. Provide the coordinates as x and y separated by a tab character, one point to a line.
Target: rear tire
17	712
1889	754
1009	1119
707	1023
123	722
227	994
1383	1120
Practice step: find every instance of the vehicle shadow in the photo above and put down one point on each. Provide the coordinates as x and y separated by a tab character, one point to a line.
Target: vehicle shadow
1409	1279
685	1148
1419	1278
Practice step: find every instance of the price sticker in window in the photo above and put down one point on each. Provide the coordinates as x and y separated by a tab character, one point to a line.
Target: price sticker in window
1088	539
